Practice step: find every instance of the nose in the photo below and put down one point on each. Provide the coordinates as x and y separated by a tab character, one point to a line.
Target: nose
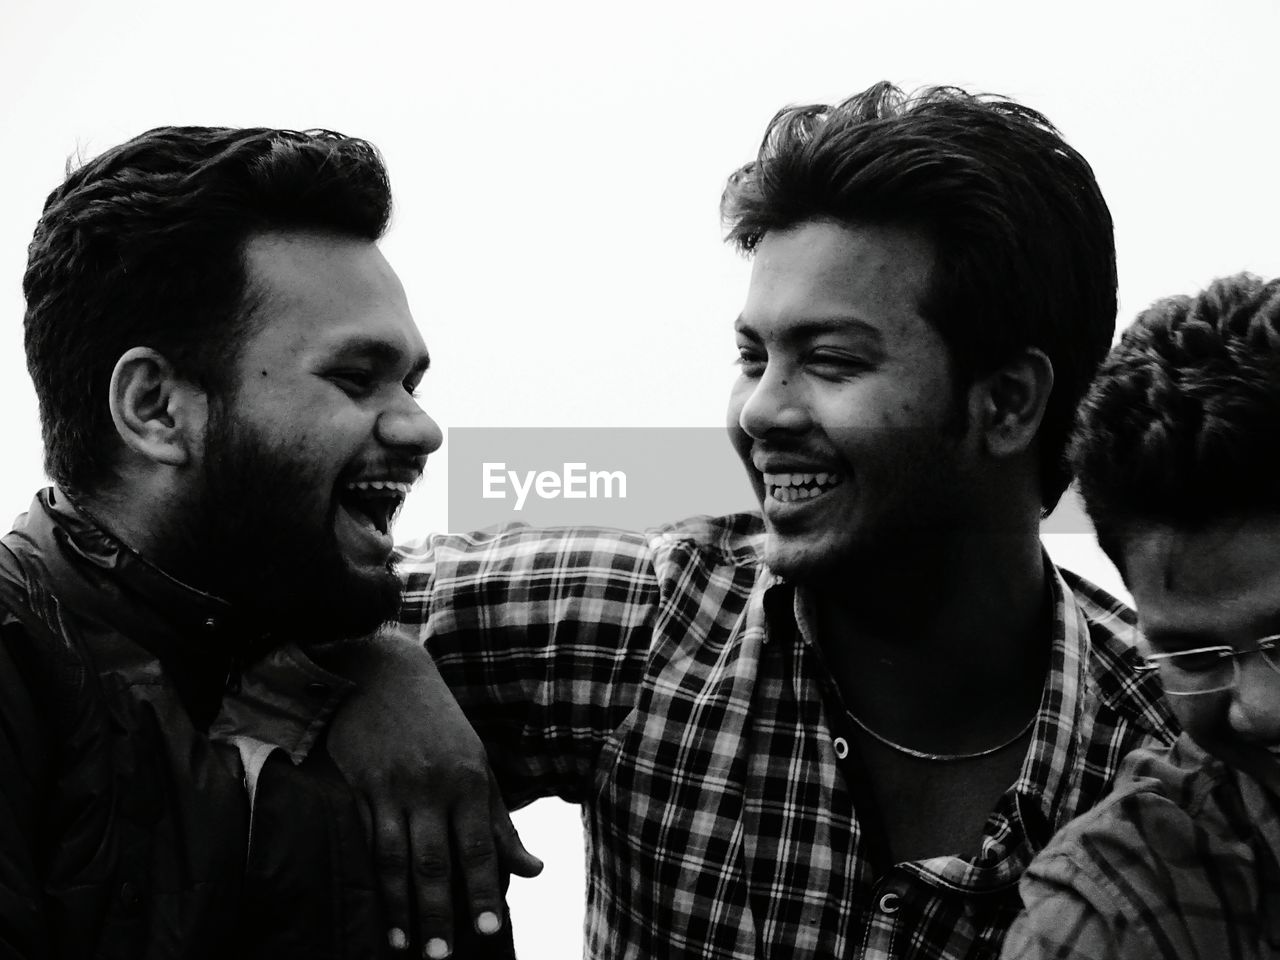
773	403
1255	706
407	426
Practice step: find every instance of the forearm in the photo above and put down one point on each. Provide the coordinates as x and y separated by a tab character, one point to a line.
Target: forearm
376	658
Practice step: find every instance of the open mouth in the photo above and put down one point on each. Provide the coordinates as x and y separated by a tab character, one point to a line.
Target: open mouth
790	487
374	503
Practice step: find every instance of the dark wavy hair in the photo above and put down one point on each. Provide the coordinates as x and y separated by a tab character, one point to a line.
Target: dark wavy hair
144	246
1025	250
1182	425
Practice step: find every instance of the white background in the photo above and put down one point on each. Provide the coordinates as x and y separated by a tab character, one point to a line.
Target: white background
557	168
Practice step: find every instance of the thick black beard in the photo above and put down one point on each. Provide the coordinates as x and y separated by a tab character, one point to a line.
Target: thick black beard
264	525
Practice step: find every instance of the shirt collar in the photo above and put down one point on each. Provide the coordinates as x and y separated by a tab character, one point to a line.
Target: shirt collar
1049	783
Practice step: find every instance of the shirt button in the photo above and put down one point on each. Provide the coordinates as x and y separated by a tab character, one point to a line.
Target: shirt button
841	746
210	625
890	903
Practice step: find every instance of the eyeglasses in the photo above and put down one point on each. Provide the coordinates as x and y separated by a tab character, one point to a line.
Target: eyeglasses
1186	673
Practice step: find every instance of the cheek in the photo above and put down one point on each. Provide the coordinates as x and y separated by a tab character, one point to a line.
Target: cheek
851	416
1200	716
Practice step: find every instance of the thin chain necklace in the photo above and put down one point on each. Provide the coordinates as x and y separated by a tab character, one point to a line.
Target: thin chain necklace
942	757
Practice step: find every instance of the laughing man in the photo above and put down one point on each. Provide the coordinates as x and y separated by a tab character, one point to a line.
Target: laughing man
225	365
841	727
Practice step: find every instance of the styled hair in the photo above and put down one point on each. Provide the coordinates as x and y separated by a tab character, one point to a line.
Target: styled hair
1024	246
1182	425
144	246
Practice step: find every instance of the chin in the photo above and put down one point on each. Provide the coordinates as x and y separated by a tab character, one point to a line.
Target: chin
375	601
355	604
795	559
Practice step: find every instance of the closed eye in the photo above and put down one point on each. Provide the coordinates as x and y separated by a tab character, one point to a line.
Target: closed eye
1198	660
751	361
828	363
353	382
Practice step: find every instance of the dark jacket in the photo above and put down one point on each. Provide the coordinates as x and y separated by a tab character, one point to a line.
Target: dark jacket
124	814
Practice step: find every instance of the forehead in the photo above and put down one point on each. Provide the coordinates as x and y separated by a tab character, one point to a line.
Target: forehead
315	293
1223	579
876	275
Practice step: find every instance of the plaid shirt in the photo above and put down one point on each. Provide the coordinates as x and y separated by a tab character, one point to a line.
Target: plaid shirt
660	681
1183	861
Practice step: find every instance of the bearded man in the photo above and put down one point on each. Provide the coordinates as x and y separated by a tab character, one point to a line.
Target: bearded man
226	367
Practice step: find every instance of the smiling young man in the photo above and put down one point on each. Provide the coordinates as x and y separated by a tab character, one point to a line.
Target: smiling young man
1176	458
226	367
841	728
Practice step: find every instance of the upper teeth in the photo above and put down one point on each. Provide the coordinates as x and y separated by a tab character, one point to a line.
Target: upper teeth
392	485
799	479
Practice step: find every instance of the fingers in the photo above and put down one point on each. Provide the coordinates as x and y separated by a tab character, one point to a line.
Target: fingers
512	853
477	861
469	840
432	880
390	860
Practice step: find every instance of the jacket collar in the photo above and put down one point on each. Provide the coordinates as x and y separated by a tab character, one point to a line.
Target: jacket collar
201	639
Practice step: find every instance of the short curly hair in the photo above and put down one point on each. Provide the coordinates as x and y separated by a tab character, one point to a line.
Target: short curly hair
144	246
1182	425
1024	239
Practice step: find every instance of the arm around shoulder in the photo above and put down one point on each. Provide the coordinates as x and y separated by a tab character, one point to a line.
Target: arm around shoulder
403	743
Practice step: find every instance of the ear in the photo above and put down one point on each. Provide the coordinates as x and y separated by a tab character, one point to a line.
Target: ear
1010	402
159	416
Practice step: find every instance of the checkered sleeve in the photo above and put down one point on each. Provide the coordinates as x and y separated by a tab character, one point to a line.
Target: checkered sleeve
543	636
1069	916
1137	878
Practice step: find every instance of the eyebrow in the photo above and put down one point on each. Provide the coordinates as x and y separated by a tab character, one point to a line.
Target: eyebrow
382	353
816	326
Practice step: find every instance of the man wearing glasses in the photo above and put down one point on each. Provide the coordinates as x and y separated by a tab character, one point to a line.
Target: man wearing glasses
1176	454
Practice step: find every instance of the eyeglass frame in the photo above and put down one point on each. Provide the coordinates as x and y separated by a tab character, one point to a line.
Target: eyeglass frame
1265	645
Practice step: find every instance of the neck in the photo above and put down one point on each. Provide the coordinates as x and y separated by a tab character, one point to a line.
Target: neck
145	521
944	644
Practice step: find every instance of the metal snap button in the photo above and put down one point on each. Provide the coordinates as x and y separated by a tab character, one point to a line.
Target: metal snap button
890	903
129	895
841	746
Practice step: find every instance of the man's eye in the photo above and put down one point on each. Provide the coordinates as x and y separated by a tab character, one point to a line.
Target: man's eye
1199	661
751	362
354	383
843	363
